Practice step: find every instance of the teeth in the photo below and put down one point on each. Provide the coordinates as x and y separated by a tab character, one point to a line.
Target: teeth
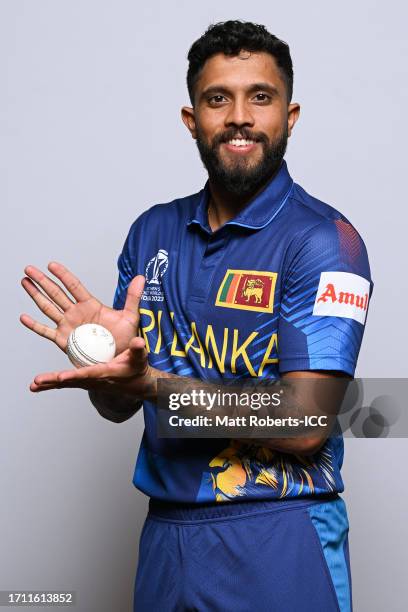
240	142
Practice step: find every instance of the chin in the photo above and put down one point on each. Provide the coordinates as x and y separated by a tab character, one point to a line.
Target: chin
248	165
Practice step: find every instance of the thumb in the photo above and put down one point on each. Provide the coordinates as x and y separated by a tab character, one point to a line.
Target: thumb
138	354
134	293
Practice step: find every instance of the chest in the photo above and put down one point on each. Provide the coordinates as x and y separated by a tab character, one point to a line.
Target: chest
211	303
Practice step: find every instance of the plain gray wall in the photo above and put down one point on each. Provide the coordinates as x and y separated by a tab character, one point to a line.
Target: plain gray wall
90	97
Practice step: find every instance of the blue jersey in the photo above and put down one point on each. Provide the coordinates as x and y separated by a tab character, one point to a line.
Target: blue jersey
283	286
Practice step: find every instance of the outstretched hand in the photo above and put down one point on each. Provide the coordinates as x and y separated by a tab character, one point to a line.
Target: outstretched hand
129	373
68	313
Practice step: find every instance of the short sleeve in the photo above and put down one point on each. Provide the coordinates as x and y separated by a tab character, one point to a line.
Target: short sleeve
325	296
127	266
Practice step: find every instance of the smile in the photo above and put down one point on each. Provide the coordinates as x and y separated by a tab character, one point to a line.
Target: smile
240	145
240	142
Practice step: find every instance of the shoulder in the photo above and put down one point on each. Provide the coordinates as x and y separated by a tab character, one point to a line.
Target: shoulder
170	213
310	211
312	217
321	233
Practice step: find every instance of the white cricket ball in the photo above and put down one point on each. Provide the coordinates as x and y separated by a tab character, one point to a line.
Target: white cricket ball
90	344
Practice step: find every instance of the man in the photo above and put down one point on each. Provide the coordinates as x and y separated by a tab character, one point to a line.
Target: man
251	278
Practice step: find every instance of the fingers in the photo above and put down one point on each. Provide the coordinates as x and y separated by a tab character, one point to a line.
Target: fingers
69	384
42	301
70	282
87	385
58	380
48	378
132	362
98	371
47	387
91	377
39	328
134	293
51	289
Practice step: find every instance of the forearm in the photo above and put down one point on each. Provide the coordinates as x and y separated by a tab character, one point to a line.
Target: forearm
114	407
295	446
296	399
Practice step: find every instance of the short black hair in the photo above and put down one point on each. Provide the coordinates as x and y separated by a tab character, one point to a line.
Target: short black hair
231	37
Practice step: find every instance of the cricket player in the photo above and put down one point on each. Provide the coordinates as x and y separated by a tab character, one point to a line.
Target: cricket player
251	278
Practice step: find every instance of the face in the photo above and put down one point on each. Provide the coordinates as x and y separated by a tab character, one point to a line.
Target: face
241	120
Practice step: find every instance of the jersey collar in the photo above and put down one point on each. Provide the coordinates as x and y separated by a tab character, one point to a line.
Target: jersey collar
259	212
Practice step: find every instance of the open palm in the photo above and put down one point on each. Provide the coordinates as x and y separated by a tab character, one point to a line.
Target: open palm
68	314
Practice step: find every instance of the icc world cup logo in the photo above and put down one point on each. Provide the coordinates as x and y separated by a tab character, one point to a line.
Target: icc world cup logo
156	267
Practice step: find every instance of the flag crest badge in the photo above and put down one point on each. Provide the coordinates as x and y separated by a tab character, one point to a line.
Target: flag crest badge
247	290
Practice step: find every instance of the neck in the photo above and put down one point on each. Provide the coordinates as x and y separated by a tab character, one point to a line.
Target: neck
224	206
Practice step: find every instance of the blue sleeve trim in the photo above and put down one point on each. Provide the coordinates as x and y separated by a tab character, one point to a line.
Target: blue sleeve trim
321	362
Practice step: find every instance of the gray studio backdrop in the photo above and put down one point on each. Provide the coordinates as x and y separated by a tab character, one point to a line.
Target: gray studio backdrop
90	97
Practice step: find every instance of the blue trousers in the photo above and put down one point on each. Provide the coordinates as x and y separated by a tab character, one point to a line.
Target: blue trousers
261	556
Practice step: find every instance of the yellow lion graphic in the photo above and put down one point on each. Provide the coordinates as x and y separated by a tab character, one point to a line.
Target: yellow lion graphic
240	467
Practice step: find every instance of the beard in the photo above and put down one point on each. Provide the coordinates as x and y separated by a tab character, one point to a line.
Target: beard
241	178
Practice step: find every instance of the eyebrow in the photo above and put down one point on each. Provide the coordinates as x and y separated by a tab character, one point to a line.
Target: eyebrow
221	89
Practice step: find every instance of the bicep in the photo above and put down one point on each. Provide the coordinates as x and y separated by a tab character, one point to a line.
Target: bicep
325	297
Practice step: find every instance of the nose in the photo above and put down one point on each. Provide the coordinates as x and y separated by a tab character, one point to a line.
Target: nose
239	114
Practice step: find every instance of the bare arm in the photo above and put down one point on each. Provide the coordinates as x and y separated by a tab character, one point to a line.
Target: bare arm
305	393
113	407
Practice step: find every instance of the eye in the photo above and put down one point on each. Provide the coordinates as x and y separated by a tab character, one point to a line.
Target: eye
217	99
262	97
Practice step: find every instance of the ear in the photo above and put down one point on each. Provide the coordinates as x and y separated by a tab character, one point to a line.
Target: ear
293	116
188	117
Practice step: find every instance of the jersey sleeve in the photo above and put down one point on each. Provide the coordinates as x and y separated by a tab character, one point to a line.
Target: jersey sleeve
127	266
325	296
